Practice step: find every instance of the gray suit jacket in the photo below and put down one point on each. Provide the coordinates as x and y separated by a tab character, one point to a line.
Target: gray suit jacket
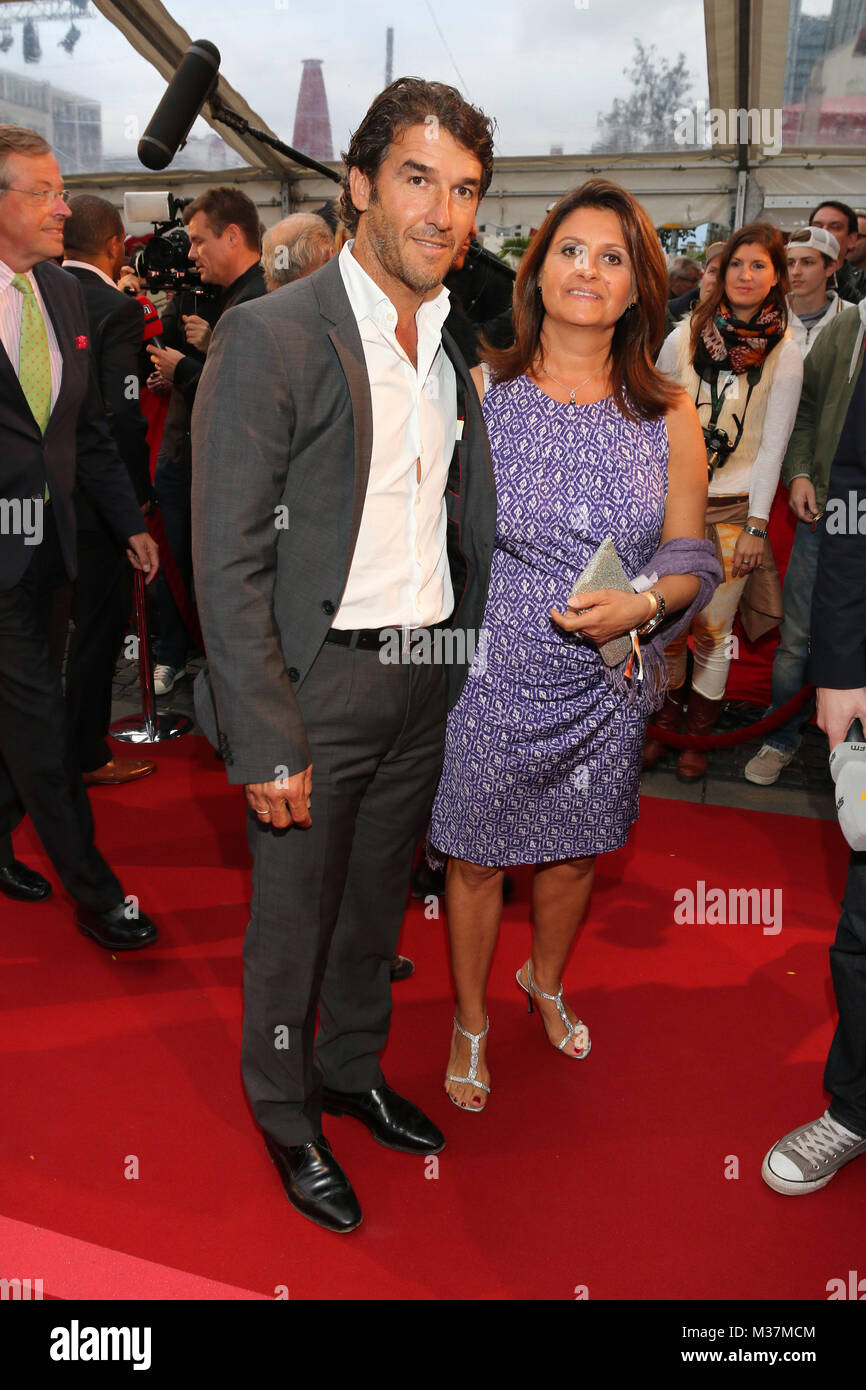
283	419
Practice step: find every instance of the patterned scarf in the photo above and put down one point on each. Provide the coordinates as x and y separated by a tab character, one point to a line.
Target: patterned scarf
728	344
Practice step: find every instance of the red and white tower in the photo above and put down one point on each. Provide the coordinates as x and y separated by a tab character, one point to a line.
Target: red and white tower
312	134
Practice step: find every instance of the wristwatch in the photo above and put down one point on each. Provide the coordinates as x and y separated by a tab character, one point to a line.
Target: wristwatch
755	531
657	617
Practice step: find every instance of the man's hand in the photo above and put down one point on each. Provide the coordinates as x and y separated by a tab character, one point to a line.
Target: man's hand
837	710
197	331
165	360
157	383
802	501
143	553
129	281
603	614
282	803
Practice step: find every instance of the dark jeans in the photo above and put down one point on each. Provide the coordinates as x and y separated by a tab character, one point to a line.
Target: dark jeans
792	654
172	480
328	902
100	609
845	1074
39	773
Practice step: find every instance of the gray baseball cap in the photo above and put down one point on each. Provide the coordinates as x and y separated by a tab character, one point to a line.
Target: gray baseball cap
819	237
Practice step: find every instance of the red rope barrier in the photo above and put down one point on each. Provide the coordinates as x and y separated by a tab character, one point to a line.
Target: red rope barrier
751	731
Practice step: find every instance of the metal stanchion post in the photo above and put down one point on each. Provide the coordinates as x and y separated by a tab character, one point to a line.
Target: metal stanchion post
149	726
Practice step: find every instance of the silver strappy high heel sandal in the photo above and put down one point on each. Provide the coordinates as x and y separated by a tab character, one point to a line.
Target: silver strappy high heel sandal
472	1078
571	1028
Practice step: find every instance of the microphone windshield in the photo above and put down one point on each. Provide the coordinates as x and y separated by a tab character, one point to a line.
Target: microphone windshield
184	97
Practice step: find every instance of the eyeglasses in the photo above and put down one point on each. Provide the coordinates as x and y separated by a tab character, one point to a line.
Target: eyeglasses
43	196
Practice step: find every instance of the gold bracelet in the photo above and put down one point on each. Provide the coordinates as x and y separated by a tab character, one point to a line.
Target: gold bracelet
648	593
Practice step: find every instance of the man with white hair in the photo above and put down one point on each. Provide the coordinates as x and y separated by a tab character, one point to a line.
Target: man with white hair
295	247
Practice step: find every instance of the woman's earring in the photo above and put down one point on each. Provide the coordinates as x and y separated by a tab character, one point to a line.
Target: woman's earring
538	287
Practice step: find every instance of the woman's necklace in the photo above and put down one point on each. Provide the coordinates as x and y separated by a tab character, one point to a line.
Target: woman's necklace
572	390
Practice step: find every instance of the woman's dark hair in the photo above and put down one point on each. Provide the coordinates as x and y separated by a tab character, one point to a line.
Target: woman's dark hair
406	102
766	235
640	391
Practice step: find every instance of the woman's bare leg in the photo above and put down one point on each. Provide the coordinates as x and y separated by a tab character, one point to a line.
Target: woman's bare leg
560	894
473	900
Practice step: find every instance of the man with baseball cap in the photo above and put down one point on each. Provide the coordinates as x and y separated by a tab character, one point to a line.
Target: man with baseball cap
813	254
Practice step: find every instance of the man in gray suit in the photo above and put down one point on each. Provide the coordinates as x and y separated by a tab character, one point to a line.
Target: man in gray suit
343	519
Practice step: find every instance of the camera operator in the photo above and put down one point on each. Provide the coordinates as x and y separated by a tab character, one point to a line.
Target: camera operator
808	1157
225	248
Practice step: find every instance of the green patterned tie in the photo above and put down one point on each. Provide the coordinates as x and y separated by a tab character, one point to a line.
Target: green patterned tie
34	359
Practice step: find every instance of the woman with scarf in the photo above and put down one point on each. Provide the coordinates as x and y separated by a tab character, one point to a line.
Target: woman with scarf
589	443
738	360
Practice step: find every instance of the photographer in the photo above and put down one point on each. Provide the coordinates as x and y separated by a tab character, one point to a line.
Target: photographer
225	248
737	358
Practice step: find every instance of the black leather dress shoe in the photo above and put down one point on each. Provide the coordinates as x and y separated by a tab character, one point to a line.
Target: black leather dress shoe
315	1184
401	967
17	881
113	929
394	1121
427	882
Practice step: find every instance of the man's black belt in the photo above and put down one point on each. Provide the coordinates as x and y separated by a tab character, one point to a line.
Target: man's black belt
373	638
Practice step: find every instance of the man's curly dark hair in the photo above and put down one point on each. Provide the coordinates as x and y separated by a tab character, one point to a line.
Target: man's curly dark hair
406	102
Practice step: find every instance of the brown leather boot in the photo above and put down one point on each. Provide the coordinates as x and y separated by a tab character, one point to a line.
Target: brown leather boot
701	715
668	717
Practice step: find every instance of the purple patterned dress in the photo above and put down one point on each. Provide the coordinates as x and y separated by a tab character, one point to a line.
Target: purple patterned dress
542	757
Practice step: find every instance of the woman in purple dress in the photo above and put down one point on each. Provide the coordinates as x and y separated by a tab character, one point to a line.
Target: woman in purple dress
543	752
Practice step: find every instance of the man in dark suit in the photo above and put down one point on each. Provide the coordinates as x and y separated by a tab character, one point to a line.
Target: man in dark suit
53	435
225	237
343	521
808	1157
93	253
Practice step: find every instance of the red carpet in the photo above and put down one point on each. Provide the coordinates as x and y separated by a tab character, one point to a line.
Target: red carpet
708	1044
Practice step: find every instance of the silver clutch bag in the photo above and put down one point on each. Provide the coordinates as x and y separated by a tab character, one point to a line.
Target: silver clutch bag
605	571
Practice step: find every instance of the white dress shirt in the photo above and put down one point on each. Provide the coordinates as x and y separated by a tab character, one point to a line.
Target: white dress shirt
399	576
11	305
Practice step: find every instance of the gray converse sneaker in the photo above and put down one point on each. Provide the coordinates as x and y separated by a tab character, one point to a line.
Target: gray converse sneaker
165	678
766	766
810	1156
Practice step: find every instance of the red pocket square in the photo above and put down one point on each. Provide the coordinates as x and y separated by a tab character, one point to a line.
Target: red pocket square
81	341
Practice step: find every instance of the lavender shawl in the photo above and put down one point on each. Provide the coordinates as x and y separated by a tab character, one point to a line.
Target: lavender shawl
682	556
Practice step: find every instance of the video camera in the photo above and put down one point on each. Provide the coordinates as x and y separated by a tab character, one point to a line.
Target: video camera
164	264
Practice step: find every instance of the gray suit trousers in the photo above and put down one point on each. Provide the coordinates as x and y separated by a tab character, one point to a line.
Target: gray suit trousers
328	902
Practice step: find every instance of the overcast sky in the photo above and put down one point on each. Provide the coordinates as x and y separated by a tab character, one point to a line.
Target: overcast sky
543	68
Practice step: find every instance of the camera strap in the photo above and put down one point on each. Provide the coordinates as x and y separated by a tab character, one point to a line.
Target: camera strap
717	400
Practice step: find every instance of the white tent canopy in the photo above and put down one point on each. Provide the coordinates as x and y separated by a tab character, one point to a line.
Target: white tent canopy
748	43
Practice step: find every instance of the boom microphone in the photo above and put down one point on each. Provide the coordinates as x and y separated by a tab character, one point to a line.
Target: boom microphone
184	97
